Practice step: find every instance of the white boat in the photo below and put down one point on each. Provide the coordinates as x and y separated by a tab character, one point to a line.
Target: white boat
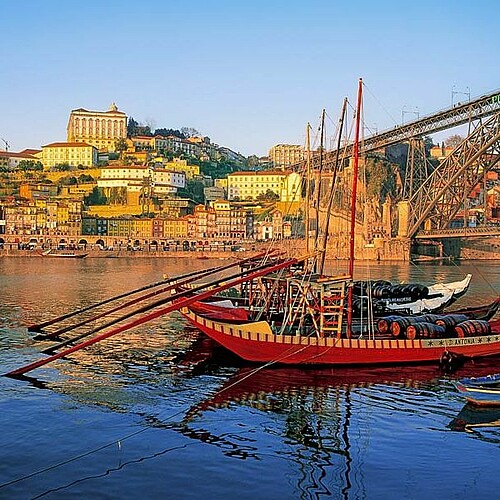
440	295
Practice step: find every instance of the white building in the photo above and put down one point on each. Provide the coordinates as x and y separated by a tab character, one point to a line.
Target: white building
136	178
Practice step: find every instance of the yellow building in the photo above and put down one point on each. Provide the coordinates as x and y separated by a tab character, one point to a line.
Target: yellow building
285	155
142	228
250	185
99	128
175	228
71	153
178	165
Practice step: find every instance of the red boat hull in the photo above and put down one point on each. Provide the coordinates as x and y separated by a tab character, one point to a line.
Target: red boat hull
255	342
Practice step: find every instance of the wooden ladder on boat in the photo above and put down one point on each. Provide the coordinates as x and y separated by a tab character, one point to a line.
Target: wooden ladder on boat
331	305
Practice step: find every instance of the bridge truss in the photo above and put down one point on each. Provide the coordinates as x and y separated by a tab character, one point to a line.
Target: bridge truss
435	197
443	193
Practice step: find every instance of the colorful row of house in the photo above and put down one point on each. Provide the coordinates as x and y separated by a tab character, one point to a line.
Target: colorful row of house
221	221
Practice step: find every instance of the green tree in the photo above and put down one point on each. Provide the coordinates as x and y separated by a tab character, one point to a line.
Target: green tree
120	146
62	167
269	195
83	178
380	178
33	165
194	190
96	197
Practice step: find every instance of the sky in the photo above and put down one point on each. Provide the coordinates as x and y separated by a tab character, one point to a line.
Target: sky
249	74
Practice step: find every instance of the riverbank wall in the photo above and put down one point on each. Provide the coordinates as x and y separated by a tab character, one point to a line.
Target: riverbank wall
395	250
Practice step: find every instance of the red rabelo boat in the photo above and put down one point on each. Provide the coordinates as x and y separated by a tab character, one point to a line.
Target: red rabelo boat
306	319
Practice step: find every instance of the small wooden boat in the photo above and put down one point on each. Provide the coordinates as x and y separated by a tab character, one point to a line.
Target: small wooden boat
480	391
64	254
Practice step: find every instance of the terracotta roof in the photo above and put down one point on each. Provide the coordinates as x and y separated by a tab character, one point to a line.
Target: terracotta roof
262	172
67	145
126	167
83	110
30	151
11	154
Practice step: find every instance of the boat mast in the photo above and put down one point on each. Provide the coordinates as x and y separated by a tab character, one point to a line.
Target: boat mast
318	187
308	187
332	190
353	205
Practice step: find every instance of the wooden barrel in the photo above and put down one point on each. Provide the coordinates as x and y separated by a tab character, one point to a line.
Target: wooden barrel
381	291
425	331
384	324
399	326
451	320
473	328
432	318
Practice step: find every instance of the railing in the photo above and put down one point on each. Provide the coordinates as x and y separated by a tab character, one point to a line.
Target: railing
460	232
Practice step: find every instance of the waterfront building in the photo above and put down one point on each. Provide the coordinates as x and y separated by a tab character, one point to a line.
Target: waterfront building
205	222
285	155
222	210
251	185
142	227
101	129
43	218
70	153
175	228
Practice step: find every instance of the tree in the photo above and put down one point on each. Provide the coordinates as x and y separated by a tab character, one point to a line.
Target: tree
121	145
190	132
33	165
269	195
96	197
380	179
62	167
135	128
252	161
69	180
453	141
428	144
131	127
166	132
82	178
194	190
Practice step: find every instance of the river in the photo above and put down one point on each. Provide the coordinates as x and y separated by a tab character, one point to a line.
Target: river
135	417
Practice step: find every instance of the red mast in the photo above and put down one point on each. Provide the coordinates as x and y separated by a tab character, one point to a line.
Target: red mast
353	204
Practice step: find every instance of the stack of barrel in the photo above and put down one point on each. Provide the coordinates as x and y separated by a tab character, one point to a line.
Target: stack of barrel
381	291
432	326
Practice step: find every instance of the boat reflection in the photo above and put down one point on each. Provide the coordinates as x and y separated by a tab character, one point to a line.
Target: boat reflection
472	417
260	387
314	417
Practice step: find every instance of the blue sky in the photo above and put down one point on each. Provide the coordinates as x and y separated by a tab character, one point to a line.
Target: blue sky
249	74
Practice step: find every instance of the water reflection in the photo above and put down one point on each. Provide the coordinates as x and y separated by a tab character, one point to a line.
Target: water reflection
317	415
164	391
472	418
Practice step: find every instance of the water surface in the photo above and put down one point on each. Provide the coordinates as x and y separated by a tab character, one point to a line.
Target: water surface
134	416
